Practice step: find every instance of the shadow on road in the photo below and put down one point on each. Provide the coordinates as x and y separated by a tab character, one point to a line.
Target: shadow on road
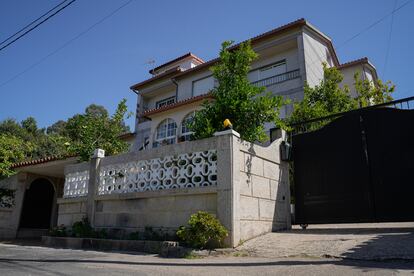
192	263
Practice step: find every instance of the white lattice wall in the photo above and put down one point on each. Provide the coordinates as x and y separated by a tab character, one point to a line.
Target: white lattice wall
76	184
197	169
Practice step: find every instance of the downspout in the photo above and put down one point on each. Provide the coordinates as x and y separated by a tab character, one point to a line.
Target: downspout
176	88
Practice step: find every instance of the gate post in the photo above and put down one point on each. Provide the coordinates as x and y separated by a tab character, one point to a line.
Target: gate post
94	168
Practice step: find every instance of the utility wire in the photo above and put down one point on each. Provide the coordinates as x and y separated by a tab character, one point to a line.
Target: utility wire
387	52
374	24
35	26
320	58
31	23
66	43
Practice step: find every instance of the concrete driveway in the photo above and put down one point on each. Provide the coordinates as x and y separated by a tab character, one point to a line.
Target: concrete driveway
375	241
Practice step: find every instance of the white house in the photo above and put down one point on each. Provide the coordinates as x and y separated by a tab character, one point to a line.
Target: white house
289	56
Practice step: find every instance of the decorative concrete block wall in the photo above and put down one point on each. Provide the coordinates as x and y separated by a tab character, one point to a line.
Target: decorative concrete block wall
244	185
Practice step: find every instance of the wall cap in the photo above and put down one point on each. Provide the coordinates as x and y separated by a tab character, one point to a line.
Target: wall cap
226	132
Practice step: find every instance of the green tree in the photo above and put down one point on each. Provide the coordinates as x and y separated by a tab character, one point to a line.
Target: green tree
57	128
96	110
369	92
248	107
323	99
329	98
97	130
12	150
30	125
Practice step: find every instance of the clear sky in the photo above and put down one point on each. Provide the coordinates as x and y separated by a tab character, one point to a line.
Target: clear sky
101	65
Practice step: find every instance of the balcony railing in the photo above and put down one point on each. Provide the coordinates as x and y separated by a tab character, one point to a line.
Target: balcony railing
278	78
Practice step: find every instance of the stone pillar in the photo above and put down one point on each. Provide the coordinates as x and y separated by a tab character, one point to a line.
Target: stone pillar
228	167
93	184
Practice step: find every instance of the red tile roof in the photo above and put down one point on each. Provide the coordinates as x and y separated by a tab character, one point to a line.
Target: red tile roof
279	30
189	54
168	73
39	161
177	104
363	60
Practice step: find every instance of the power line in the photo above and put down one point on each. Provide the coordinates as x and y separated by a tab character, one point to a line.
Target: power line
66	43
374	24
35	26
389	39
320	58
31	23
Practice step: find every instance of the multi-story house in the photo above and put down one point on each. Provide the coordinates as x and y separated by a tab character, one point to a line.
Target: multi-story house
289	57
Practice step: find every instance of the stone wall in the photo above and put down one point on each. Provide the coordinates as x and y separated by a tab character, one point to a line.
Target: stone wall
10	217
71	210
264	191
157	209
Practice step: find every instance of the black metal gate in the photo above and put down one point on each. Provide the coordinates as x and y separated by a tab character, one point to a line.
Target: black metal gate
357	168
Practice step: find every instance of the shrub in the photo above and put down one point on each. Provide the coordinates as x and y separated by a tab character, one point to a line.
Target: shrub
83	229
58	231
134	235
203	231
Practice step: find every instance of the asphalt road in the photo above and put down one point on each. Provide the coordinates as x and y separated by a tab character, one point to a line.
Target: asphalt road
18	259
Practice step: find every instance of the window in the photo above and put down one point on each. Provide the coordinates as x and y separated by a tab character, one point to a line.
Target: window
272	70
203	86
165	102
185	131
166	133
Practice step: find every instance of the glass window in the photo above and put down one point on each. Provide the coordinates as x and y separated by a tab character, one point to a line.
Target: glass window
165	133
203	86
185	130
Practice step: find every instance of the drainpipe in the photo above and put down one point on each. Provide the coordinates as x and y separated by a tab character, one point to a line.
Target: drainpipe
176	88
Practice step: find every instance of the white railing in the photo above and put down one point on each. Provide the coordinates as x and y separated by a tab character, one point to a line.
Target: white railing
197	169
76	184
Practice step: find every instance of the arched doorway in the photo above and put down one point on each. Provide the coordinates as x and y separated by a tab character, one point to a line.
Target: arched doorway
37	205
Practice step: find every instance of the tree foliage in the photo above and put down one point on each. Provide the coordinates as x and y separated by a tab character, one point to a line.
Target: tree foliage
93	130
12	150
248	107
369	93
329	97
80	135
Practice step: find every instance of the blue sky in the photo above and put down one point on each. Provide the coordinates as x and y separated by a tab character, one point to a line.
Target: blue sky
99	66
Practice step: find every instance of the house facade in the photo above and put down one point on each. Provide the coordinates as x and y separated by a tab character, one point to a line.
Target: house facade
245	185
289	57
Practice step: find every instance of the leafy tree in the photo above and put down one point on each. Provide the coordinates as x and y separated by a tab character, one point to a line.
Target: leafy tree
96	110
369	93
12	150
12	127
323	99
248	107
97	130
30	125
57	128
329	98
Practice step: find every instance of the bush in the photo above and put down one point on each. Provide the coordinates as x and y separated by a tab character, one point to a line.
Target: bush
134	235
83	229
58	231
203	231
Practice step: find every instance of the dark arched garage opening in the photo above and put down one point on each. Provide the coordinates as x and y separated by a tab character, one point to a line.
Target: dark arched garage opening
37	205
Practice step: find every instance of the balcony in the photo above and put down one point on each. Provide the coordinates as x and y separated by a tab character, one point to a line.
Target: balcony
278	78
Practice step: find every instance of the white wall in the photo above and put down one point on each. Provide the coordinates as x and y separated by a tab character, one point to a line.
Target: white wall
315	52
